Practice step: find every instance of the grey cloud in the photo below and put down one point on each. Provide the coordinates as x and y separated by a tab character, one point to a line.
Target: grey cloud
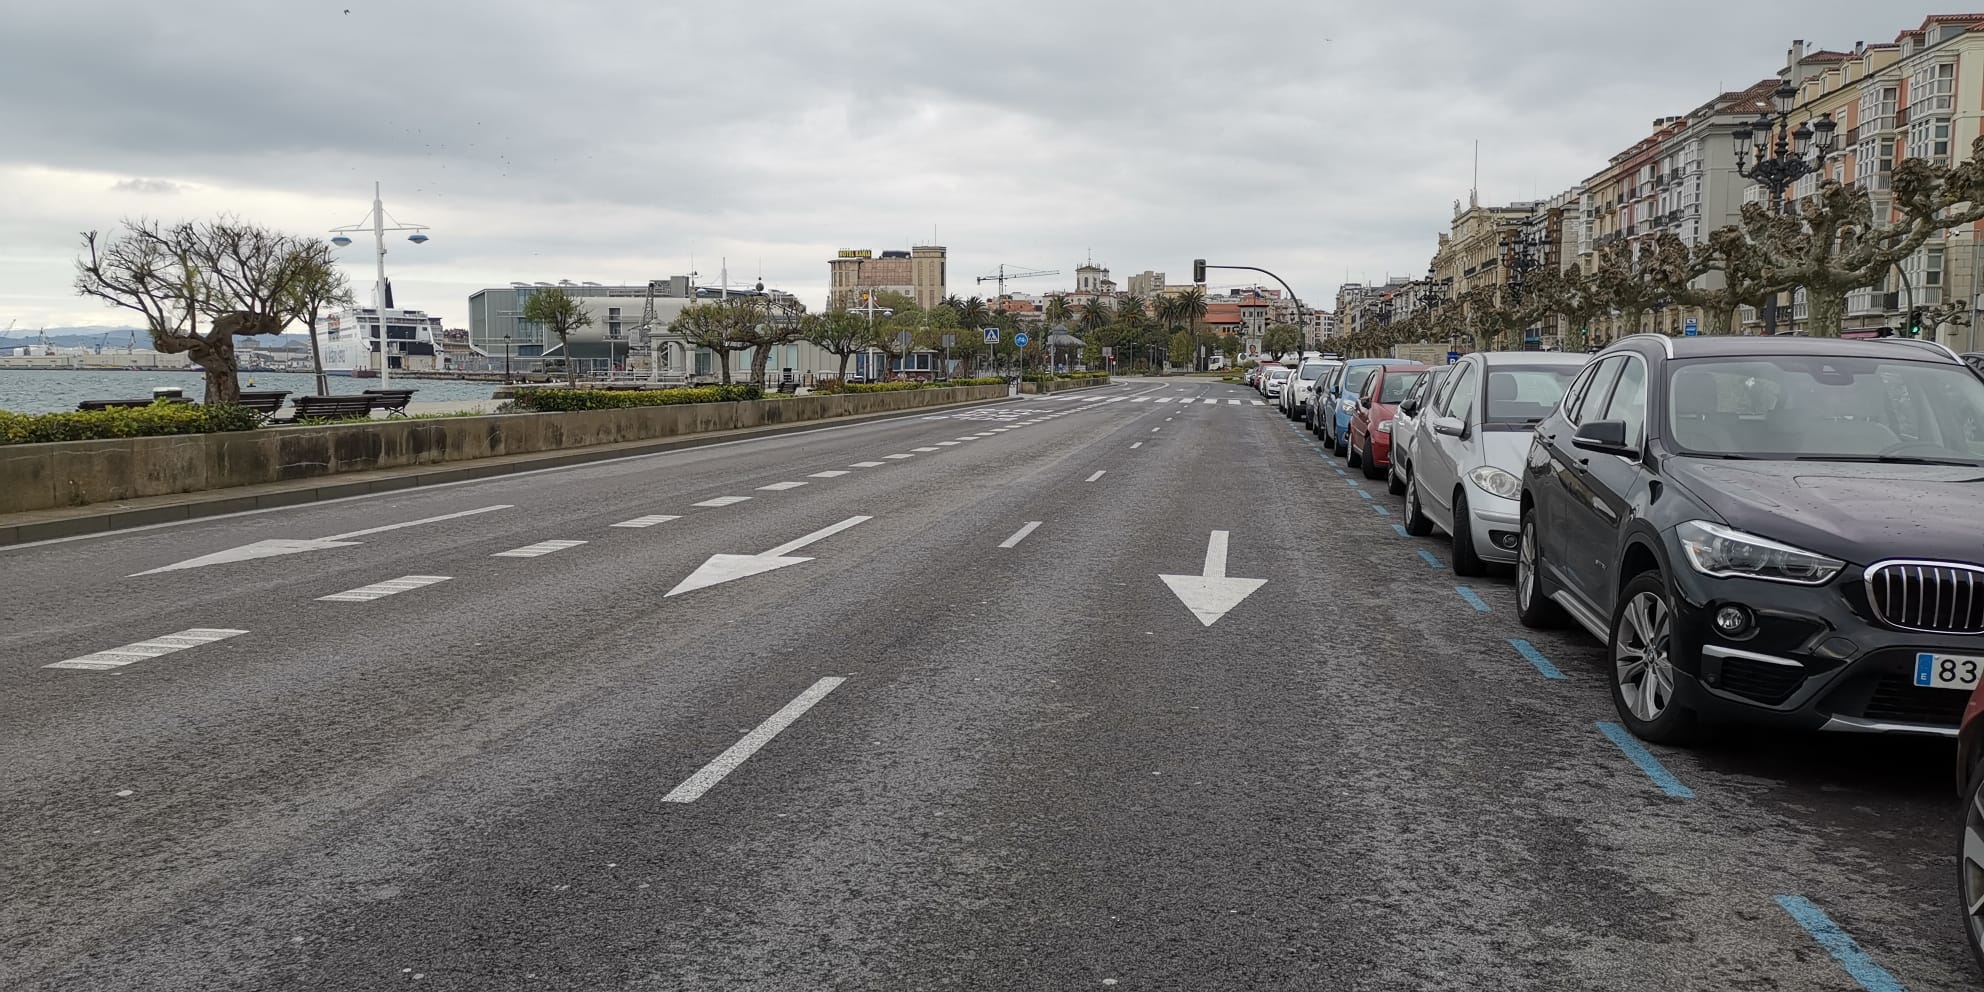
152	187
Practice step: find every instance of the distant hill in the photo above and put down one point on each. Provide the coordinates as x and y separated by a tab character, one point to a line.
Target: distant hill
118	337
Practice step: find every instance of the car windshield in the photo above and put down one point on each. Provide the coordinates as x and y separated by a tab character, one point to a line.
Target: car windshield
1396	385
1353	378
1310	373
1827	407
1523	394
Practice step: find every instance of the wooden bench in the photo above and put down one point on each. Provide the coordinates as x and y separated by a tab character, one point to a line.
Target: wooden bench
393	401
118	404
331	407
264	403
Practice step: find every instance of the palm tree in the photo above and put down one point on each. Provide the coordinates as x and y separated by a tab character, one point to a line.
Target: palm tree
1056	310
971	313
953	302
1095	315
1191	308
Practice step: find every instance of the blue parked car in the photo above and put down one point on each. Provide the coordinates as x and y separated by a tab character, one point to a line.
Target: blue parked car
1342	400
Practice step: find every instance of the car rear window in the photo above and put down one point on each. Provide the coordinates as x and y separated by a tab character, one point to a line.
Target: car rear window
1396	385
1311	373
1277	373
1353	378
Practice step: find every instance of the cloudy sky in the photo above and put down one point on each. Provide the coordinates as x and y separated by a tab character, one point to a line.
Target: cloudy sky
617	141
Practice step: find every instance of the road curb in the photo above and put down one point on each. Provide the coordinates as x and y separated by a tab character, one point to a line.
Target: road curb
45	525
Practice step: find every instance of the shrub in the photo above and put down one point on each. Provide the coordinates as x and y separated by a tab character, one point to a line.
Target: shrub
881	387
983	380
141	421
568	400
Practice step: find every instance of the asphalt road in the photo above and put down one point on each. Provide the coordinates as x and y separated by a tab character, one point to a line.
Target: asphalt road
926	755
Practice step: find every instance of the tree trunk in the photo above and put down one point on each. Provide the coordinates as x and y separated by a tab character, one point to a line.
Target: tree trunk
216	357
844	356
571	364
761	359
1826	306
723	366
1720	318
317	358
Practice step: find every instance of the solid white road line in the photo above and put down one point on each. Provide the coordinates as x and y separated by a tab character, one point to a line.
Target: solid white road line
779	487
380	590
416	523
722	501
867	464
833	474
538	549
1020	535
693	788
647	521
898	457
1137	445
923	451
119	657
1097	475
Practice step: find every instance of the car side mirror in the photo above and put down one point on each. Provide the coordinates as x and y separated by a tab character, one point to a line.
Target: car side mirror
1410	408
1365	402
1607	437
1450	426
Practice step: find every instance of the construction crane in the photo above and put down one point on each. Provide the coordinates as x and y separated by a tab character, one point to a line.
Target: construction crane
1002	275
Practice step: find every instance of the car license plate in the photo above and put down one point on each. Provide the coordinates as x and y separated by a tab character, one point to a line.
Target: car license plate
1948	671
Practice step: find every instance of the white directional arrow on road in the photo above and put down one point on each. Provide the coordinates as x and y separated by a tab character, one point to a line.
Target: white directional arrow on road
1211	595
725	568
277	547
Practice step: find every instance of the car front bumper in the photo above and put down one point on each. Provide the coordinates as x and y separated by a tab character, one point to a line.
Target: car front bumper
1812	659
1495	524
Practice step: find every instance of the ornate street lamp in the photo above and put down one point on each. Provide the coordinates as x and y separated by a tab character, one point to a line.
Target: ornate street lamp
1784	155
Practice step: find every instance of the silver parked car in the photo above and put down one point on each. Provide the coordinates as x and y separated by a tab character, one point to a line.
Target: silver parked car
1469	445
1273	380
1403	422
1301	387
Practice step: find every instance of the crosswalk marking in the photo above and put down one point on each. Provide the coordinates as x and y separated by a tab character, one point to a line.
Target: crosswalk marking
103	661
779	487
1260	402
833	474
1186	400
1167	399
648	521
390	587
722	501
1232	402
540	548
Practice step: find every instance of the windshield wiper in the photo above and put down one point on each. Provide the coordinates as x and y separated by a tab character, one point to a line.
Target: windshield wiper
1889	460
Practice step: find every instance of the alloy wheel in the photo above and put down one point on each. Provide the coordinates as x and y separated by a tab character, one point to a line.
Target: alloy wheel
1642	664
1526	565
1970	871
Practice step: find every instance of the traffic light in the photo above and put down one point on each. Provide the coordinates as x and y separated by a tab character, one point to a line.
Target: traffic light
1198	270
1915	323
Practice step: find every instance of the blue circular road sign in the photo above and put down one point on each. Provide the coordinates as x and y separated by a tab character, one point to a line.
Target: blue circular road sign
1020	339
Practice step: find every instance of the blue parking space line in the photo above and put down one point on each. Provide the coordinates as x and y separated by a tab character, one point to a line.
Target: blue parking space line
1401	530
1473	599
1535	657
1840	945
1352	482
1427	556
1381	510
1645	759
1364	494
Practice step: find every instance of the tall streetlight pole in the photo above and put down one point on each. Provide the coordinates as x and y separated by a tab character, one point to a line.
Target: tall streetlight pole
1781	157
376	220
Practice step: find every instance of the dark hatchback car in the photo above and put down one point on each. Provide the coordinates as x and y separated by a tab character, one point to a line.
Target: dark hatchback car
1769	530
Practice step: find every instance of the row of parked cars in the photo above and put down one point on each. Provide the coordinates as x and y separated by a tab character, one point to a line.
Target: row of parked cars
1770	530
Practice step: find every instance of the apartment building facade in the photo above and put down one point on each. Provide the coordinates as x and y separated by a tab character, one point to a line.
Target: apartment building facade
919	273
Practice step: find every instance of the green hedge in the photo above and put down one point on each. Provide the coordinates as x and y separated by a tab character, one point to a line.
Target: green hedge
1064	376
138	421
835	386
568	400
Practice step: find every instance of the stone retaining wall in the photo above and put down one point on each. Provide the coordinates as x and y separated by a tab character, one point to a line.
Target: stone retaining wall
78	473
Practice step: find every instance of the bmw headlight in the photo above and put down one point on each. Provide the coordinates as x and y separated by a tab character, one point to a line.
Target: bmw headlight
1384	427
1496	481
1721	551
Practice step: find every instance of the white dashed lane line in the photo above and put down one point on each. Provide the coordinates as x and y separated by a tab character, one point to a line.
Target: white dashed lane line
103	661
831	474
542	548
722	501
867	464
380	590
1020	535
778	487
648	521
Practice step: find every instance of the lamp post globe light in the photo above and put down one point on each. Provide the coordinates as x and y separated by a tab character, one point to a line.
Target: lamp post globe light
1784	155
375	221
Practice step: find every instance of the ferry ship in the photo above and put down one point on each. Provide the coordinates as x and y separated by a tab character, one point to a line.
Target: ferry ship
349	341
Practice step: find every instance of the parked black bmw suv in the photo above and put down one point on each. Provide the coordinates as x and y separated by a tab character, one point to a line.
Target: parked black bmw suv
1772	530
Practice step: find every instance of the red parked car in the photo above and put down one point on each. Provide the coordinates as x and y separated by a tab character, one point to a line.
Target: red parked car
1970	823
1371	424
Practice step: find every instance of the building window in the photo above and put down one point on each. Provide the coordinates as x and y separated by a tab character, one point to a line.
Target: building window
1932	89
1929	139
1877	106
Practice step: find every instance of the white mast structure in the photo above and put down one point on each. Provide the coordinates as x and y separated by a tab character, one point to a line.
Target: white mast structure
376	221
